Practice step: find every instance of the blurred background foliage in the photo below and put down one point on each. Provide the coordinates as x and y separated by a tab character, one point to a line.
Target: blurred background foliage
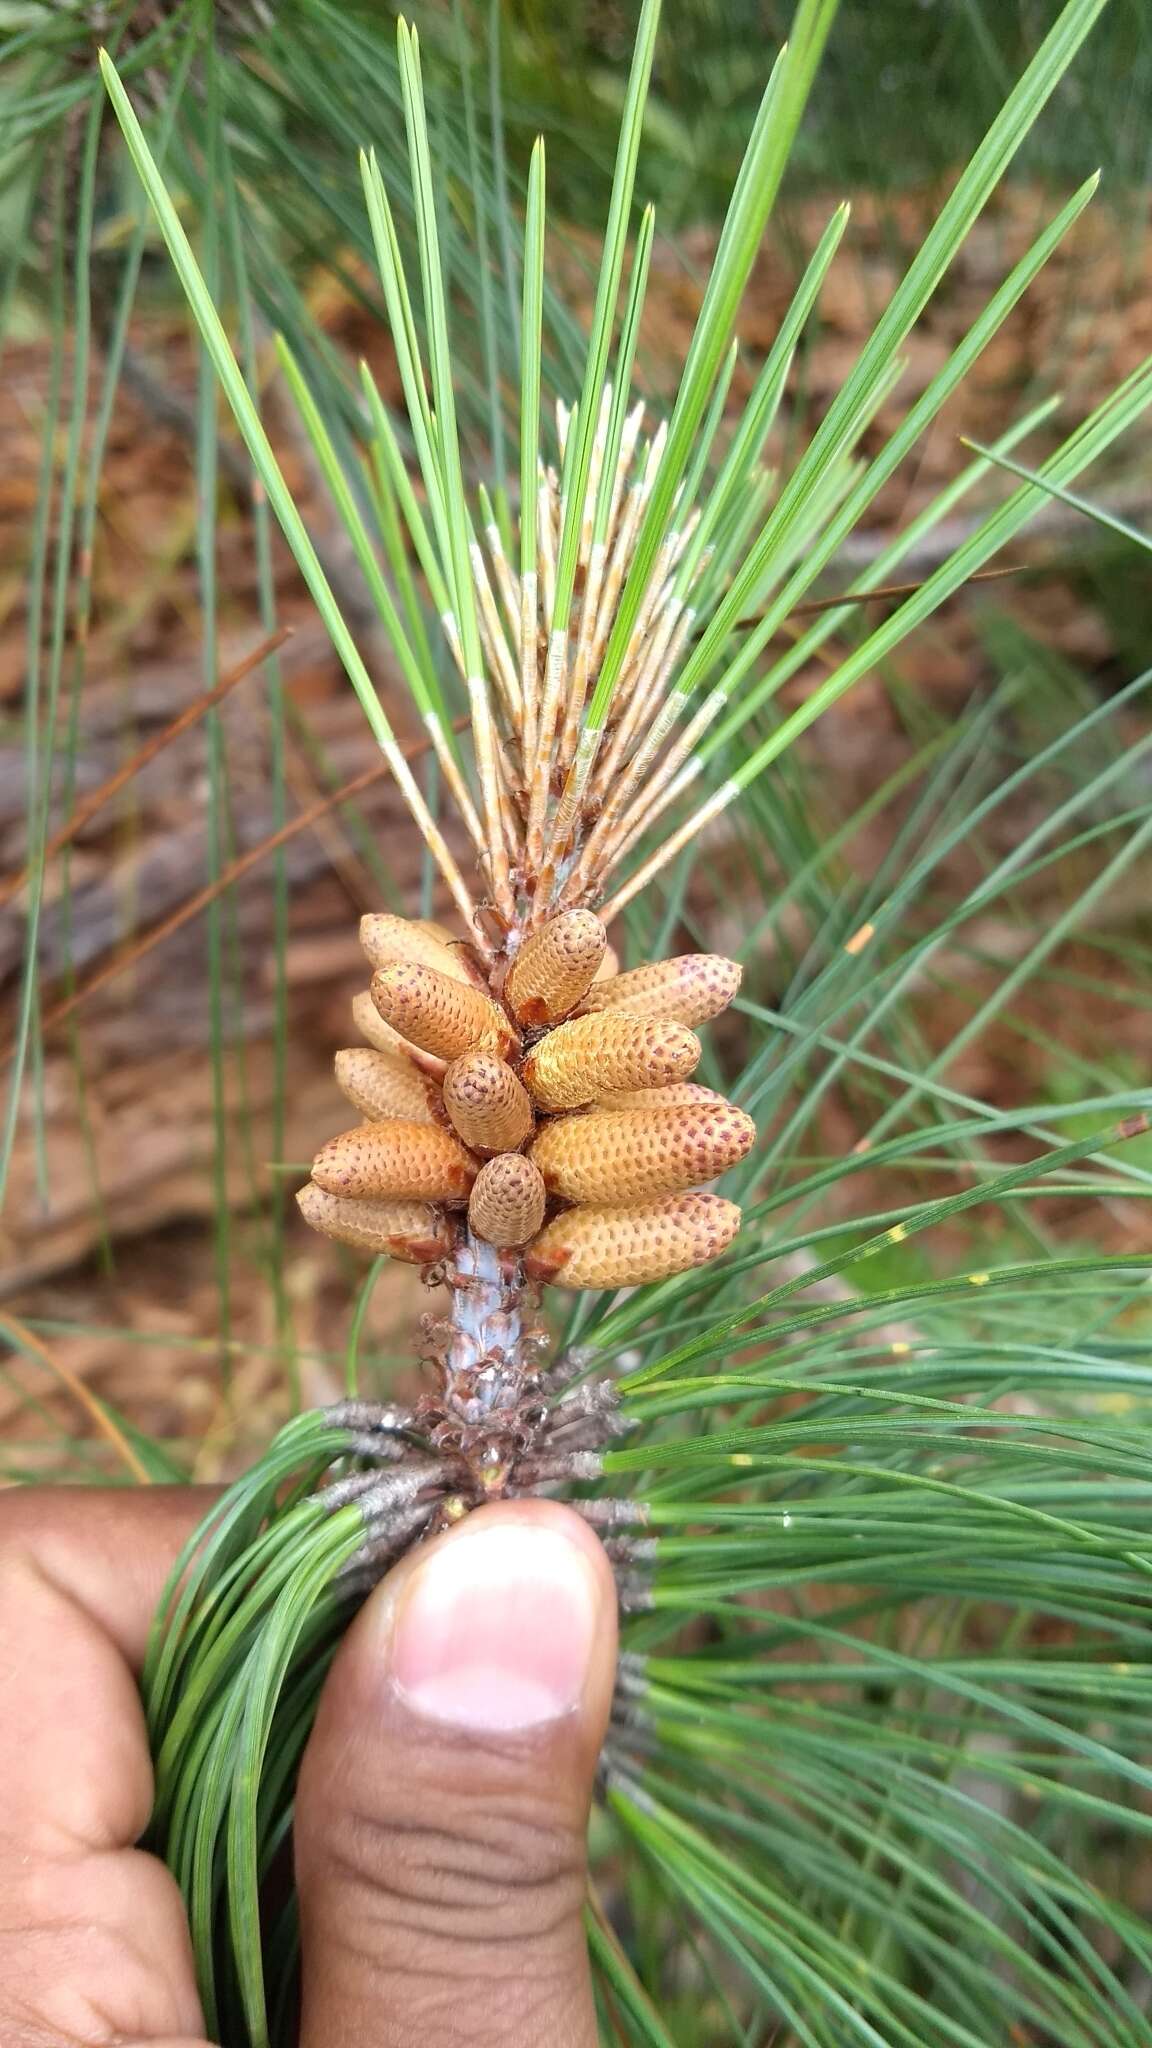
906	89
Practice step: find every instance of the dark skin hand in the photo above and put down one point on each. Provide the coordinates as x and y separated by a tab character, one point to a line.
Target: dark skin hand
442	1804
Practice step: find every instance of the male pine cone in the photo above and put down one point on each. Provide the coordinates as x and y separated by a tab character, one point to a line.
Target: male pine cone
552	1109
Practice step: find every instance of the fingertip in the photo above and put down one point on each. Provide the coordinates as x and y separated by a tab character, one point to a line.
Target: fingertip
504	1624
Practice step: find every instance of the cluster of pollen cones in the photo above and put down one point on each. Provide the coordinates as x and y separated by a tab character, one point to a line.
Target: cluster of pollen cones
545	1109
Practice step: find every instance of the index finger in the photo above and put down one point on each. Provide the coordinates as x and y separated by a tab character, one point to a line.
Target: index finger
93	1938
81	1571
108	1550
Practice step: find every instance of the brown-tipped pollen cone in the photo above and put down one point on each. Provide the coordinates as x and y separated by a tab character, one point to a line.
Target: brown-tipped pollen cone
382	1038
506	1206
555	968
488	1107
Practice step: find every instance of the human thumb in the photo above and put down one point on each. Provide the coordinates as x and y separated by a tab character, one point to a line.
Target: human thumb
444	1794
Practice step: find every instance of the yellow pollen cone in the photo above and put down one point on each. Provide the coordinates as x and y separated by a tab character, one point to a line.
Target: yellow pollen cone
443	1016
657	1098
391	941
614	1246
632	1155
382	1084
412	1231
690	988
579	1060
396	1158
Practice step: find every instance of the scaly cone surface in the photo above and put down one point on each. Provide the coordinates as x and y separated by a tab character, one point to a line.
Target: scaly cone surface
566	1150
